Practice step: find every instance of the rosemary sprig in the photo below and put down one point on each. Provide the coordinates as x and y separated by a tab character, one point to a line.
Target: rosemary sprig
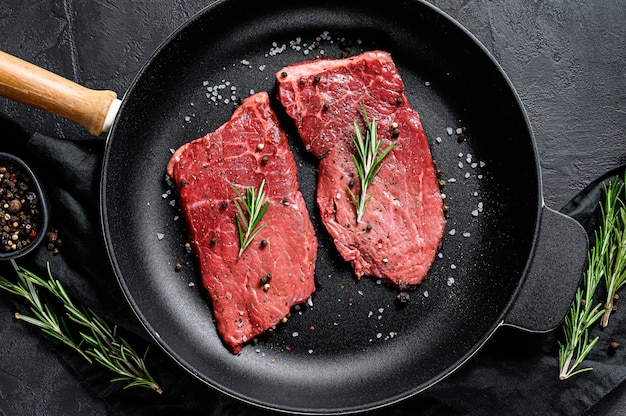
615	253
367	160
42	315
103	343
250	211
583	312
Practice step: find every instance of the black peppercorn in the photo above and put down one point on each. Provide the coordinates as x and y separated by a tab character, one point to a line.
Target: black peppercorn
403	297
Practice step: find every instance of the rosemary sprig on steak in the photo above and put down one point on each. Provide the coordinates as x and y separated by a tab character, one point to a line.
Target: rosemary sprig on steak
606	260
249	216
367	160
98	340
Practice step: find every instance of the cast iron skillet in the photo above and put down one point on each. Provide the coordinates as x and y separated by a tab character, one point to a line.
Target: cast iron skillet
506	258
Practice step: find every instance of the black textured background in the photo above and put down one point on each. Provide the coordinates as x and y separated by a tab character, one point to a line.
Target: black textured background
566	58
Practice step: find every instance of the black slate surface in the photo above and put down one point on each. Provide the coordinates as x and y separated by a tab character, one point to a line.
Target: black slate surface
566	60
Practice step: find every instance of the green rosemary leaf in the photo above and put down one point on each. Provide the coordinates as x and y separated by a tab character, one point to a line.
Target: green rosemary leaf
250	210
101	342
43	316
367	160
606	261
614	213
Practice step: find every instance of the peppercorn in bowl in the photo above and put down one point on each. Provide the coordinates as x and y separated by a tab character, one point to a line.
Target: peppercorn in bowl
23	208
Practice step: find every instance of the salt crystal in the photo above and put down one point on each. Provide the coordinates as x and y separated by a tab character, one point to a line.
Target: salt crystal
452	231
449	131
466	234
426	293
160	236
475	213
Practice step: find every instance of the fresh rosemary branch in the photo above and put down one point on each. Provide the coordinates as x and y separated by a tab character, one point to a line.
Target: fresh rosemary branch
103	343
42	315
248	220
609	244
367	160
614	214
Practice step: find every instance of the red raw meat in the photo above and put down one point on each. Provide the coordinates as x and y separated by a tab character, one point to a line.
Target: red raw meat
244	151
404	222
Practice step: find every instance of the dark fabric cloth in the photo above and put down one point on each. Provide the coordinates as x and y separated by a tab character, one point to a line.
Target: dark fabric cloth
515	373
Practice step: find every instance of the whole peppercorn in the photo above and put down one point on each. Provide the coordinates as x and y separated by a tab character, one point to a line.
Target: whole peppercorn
15	206
19	208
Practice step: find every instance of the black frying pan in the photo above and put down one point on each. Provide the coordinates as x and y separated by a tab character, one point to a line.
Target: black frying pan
506	258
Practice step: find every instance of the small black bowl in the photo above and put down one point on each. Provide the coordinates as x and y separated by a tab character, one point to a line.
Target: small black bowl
42	223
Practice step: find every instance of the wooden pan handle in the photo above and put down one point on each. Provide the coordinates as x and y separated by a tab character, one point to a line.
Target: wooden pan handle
36	87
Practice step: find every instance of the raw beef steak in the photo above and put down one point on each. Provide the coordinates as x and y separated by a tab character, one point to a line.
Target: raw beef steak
246	150
403	223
